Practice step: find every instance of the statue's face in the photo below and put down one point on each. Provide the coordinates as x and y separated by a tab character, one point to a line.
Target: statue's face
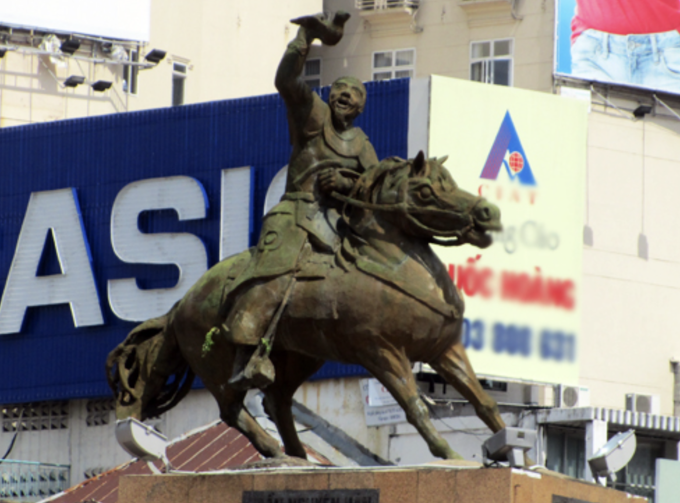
347	98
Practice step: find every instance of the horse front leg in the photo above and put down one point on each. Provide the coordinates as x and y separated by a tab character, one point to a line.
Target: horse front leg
393	369
453	365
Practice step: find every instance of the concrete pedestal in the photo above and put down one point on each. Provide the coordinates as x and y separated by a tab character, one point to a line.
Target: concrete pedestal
442	483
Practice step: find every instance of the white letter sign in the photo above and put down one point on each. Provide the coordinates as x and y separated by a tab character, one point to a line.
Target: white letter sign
58	211
186	196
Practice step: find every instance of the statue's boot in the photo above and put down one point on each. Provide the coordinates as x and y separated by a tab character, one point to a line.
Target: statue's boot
329	32
252	316
251	369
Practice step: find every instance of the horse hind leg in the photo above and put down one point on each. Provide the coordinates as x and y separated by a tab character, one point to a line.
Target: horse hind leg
292	369
393	370
454	366
234	414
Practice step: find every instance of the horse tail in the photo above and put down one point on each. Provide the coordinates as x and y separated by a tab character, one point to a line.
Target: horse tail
147	372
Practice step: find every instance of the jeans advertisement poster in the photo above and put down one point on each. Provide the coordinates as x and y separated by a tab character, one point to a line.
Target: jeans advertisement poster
624	42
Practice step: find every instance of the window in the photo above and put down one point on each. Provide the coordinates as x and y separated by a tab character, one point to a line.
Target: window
179	75
566	451
130	74
35	416
491	62
99	411
312	74
638	476
394	64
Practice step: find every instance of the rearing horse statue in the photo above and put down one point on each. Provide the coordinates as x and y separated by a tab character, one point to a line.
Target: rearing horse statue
383	300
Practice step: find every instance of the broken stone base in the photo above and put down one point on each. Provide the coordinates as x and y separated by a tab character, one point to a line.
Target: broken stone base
451	482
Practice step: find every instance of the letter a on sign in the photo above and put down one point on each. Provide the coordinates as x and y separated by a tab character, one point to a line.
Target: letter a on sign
58	211
507	151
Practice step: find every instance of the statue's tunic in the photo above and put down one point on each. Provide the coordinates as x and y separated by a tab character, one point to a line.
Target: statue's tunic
304	213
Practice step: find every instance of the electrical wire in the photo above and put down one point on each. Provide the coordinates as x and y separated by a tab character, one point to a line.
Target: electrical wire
16	434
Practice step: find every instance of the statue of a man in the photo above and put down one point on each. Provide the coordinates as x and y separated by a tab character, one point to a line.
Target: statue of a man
328	153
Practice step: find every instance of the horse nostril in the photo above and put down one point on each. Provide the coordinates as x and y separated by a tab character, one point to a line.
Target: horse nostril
486	212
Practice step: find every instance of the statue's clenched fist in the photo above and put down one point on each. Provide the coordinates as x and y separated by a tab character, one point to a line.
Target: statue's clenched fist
331	180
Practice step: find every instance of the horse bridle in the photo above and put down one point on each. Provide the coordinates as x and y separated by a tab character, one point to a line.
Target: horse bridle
403	207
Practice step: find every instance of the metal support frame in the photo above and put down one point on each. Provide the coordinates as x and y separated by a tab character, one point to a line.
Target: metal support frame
596	437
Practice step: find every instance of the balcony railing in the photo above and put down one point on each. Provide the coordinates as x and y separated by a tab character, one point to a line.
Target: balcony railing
372	5
31	481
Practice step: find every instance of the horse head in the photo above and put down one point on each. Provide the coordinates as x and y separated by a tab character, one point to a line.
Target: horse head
421	197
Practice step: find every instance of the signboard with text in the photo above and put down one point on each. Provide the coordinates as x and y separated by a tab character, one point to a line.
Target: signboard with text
107	221
525	152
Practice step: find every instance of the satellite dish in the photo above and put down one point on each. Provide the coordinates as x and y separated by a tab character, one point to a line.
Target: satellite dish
276	189
613	455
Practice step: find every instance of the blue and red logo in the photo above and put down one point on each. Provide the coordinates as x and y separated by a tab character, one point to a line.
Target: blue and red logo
507	151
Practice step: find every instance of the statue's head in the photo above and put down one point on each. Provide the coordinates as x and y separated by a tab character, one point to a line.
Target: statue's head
347	98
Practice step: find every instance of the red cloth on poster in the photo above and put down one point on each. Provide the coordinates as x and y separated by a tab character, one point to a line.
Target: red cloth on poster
625	17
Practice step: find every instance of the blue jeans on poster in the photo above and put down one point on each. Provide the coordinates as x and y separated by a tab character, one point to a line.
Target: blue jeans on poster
651	60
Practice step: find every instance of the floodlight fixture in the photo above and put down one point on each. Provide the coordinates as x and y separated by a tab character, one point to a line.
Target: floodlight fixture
641	111
155	56
102	85
510	444
74	80
70	46
141	440
613	455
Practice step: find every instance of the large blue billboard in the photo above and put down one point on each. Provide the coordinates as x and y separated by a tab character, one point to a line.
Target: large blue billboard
69	190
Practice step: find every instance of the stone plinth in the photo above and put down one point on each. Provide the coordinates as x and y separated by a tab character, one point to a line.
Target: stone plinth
442	483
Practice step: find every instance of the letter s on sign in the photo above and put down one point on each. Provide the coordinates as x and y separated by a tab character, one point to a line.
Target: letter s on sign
187	197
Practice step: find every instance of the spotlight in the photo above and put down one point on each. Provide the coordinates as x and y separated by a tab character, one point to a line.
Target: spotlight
509	444
74	80
140	440
642	110
101	85
614	455
69	46
155	56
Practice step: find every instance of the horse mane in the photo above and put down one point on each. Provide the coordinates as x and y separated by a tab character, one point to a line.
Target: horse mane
367	187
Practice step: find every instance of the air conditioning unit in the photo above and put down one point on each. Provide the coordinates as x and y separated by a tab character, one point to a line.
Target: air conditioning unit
569	397
377	5
649	404
541	395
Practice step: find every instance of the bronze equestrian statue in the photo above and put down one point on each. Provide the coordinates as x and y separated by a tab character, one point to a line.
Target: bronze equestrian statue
343	271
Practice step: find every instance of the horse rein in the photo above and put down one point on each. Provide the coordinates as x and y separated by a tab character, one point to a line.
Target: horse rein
403	207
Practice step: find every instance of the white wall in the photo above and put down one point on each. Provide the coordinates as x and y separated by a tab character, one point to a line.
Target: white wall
630	302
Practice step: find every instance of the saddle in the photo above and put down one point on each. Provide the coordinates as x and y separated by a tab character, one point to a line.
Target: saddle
300	237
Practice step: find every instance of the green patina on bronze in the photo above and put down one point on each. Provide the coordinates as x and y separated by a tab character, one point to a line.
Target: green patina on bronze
343	271
208	344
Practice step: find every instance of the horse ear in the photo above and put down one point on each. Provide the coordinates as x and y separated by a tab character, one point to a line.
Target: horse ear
442	160
419	163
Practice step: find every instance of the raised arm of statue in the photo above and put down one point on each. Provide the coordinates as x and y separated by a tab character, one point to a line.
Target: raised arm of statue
297	95
288	80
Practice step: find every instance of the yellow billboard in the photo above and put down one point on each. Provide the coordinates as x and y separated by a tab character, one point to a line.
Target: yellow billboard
526	152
